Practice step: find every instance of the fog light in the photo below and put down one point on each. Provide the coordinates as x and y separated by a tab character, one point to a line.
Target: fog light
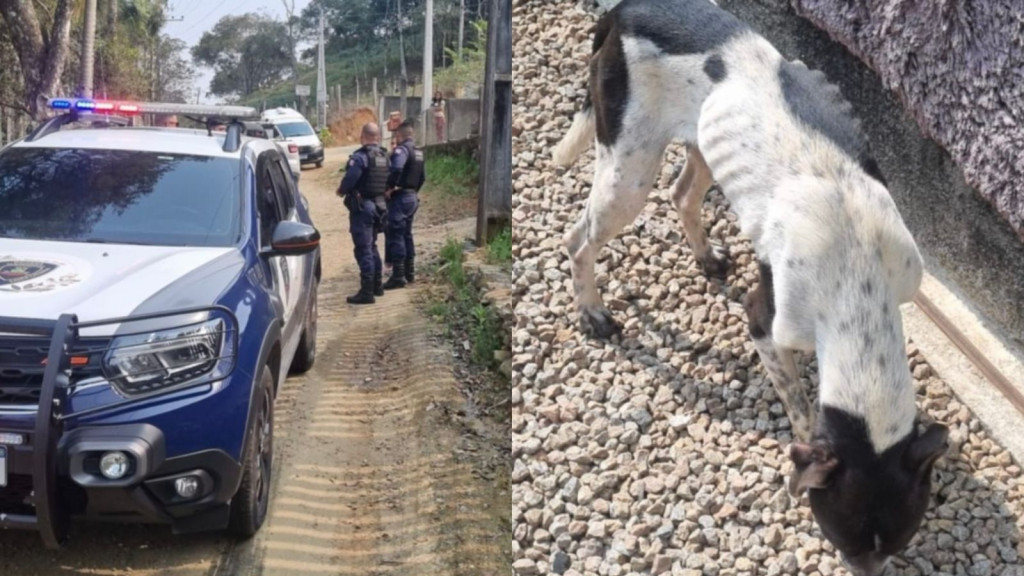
187	486
11	438
114	465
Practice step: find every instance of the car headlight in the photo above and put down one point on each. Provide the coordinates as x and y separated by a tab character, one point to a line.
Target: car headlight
159	360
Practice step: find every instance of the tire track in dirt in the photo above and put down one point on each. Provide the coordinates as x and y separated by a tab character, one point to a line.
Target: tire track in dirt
367	482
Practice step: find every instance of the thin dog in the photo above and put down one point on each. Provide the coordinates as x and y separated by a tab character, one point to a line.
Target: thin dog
835	257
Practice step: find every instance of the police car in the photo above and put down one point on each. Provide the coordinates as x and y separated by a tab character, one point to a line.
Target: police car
296	129
156	287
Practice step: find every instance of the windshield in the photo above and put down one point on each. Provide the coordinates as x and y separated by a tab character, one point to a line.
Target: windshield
294	129
119	196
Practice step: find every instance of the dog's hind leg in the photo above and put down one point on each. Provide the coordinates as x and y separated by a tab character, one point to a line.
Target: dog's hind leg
622	180
778	361
688	195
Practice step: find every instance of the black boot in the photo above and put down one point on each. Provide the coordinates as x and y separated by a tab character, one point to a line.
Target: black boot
410	274
365	294
397	279
378	285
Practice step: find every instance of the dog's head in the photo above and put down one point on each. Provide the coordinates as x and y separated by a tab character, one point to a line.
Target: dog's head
868	505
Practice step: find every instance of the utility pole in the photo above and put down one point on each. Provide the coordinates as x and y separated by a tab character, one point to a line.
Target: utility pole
88	47
321	78
494	209
462	25
428	68
428	56
403	101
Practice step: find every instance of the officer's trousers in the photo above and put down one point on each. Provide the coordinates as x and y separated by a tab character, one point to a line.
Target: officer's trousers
398	235
364	236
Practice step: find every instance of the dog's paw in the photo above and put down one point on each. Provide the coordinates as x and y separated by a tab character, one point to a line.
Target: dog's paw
716	262
599	323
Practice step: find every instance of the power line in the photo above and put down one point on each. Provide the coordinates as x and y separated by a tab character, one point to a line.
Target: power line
203	19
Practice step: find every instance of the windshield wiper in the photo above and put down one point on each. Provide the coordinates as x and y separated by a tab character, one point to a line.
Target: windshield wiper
106	241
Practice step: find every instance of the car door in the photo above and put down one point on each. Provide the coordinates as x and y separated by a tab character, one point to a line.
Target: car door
271	213
294	269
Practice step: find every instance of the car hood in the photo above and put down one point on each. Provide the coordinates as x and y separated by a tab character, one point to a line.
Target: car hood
43	279
311	140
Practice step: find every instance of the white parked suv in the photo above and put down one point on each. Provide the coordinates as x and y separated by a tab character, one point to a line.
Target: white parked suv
271	132
295	128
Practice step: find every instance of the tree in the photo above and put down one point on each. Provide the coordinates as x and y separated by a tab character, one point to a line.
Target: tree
291	21
468	69
41	47
136	61
247	52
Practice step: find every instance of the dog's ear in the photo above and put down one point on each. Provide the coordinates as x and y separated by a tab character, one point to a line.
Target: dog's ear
926	449
812	465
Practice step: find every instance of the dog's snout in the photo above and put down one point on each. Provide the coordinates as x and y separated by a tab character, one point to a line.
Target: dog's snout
870	564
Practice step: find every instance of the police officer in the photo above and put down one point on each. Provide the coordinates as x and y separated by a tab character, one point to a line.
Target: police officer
363	189
406	177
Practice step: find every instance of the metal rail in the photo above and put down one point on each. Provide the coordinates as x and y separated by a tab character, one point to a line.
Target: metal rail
987	369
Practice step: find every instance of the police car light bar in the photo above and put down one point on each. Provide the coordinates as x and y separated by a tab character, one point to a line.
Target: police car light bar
102	106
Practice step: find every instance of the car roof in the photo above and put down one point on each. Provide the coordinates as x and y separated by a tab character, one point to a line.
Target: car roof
165	140
282	114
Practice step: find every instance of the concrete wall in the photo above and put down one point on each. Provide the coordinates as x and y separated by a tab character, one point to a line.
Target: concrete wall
462	114
957	67
963	238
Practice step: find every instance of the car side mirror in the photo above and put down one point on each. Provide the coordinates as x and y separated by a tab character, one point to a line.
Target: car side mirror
293	239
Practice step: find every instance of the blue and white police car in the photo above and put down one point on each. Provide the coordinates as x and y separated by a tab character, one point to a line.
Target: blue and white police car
156	287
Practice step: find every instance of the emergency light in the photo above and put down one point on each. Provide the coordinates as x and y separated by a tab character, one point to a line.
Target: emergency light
101	106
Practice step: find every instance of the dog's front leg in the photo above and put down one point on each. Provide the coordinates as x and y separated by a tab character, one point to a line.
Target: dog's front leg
778	361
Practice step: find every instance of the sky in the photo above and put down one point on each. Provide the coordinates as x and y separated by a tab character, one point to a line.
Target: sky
199	16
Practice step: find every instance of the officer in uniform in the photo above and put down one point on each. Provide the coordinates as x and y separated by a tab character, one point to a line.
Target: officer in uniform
363	189
407	175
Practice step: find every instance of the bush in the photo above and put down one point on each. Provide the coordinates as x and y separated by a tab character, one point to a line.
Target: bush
464	312
499	251
326	137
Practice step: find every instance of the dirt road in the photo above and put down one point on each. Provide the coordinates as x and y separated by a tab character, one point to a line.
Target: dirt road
373	476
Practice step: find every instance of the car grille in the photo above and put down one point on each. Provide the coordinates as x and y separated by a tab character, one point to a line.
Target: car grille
305	149
15	498
21	366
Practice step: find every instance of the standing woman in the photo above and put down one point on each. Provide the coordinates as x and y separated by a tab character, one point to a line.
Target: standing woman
437	106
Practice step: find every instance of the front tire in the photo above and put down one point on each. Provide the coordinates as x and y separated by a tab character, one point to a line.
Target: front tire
320	164
305	354
250	504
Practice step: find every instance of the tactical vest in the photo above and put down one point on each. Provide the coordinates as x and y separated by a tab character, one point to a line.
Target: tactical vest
375	180
413	169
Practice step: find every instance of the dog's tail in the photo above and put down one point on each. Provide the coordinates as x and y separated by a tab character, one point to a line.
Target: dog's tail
584	124
577	139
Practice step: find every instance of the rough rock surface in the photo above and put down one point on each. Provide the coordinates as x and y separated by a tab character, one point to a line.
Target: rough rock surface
662	452
959	69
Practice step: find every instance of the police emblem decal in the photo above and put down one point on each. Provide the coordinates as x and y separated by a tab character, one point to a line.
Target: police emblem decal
32	275
15	271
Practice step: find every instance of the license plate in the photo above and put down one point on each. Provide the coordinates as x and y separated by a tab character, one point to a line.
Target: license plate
3	465
303	156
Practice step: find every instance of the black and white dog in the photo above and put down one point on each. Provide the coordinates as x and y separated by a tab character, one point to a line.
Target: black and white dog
836	259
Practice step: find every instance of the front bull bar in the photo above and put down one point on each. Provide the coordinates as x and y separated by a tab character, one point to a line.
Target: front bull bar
50	520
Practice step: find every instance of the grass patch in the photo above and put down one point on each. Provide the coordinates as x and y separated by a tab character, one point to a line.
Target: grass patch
451	175
463	311
499	251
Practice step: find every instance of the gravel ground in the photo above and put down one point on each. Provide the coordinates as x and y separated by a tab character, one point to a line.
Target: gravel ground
663	452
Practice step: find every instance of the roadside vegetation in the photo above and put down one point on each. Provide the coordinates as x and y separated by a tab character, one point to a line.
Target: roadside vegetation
461	308
451	188
499	251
